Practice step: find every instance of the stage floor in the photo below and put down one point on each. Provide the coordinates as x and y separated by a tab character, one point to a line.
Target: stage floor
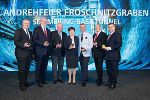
132	85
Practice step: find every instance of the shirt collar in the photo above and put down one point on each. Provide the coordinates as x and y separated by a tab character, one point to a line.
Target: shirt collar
25	29
99	32
111	32
59	32
84	33
43	27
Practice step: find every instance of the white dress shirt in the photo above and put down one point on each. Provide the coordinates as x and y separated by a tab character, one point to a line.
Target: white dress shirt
60	34
27	32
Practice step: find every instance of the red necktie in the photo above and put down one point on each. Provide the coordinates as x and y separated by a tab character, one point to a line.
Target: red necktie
45	32
95	37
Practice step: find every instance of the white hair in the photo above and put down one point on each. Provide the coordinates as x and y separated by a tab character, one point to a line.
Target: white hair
42	18
25	20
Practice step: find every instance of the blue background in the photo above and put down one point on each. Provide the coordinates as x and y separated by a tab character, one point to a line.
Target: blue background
135	51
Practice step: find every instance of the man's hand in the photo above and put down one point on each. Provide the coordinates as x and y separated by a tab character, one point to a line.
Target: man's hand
26	45
58	46
95	44
107	48
103	46
46	43
83	49
71	47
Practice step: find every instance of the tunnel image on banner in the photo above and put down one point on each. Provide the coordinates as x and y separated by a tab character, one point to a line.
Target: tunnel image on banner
130	16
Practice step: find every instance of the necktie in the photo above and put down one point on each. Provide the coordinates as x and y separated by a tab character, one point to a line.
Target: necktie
27	32
60	34
95	37
81	37
45	32
109	37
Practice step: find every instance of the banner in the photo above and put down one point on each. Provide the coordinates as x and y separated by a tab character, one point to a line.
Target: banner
131	17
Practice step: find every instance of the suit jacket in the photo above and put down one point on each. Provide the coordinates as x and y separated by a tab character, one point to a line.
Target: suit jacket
68	42
56	39
20	38
115	42
101	40
39	39
86	43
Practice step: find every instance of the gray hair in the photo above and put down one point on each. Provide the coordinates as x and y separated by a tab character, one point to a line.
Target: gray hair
25	20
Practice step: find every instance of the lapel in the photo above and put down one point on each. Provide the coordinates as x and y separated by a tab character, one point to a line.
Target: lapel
98	36
111	37
70	40
58	35
24	33
62	35
94	36
47	33
85	36
42	31
30	36
75	40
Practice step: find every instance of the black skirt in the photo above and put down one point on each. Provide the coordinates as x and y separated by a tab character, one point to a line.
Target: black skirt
72	61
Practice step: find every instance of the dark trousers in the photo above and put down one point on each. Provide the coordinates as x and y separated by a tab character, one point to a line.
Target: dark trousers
84	66
57	61
23	69
99	68
112	71
41	67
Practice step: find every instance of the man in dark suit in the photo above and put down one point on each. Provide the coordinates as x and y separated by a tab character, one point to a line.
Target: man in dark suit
99	39
23	52
114	43
58	53
41	39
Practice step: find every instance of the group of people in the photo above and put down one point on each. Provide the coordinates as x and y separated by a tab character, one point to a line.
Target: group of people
43	43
